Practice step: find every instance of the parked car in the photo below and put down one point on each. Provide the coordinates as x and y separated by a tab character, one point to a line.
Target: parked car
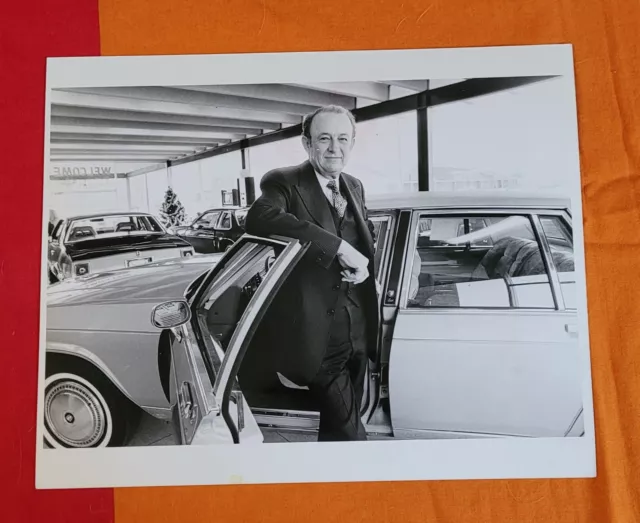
215	230
83	245
102	354
478	333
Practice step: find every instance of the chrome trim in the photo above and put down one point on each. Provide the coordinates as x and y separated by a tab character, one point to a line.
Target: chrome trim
80	352
554	279
573	422
153	312
199	370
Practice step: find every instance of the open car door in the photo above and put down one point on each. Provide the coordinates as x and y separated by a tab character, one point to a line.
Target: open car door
215	328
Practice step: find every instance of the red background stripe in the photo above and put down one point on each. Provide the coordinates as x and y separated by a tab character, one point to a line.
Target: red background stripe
30	32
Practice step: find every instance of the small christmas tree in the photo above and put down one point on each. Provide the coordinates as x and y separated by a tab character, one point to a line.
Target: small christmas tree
172	211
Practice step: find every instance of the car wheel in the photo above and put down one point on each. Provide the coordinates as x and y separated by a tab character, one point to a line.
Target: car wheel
82	409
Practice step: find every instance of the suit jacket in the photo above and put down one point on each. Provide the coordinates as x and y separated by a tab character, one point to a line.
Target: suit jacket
296	328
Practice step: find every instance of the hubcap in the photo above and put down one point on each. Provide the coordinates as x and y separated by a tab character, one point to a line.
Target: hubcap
75	414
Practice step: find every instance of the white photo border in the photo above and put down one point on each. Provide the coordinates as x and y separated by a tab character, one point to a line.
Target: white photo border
404	460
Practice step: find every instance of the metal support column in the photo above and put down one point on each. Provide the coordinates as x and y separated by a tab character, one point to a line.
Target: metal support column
423	142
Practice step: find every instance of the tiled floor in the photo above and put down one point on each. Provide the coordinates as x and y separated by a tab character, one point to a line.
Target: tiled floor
151	432
155	432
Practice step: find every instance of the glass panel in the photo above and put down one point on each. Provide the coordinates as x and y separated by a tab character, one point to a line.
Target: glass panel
385	154
512	139
225	300
225	222
241	216
561	243
381	228
112	226
477	261
208	220
56	232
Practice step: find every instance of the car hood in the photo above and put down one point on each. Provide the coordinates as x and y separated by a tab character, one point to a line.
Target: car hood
155	282
98	247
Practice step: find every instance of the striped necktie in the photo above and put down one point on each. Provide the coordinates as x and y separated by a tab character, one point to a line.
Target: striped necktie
338	201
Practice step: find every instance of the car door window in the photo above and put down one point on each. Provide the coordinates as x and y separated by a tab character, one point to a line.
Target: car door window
55	235
207	220
560	242
225	221
476	261
381	228
241	217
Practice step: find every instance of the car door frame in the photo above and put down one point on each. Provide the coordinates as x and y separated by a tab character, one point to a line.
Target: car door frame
215	387
57	246
532	213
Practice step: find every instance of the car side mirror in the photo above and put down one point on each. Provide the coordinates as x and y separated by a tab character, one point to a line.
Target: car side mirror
171	314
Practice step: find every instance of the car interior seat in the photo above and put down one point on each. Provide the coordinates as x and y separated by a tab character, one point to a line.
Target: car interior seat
125	226
85	231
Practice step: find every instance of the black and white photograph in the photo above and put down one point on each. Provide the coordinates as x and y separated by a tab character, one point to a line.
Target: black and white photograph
301	267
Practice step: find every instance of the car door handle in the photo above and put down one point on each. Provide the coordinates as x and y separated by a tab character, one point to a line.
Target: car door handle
571	329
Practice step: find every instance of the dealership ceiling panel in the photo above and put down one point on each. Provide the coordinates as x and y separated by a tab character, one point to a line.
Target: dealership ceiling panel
156	124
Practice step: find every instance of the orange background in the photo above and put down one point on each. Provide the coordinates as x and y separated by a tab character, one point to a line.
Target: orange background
606	50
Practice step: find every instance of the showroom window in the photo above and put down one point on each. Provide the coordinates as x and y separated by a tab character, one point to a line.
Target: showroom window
511	139
477	261
385	154
561	244
264	158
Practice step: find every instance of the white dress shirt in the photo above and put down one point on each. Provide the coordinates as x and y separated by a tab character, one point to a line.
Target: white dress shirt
323	183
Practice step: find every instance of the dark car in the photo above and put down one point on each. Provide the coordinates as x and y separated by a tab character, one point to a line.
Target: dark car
215	230
84	245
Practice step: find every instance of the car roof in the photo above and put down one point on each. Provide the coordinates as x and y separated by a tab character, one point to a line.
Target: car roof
107	215
227	208
449	200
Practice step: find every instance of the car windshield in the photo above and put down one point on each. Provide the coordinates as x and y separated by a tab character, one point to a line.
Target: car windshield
112	226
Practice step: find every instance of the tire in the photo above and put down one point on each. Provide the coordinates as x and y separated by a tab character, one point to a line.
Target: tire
82	409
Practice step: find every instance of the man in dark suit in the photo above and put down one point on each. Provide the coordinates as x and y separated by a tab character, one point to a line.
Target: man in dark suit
324	321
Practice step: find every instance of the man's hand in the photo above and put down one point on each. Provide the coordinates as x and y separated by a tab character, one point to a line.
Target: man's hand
355	264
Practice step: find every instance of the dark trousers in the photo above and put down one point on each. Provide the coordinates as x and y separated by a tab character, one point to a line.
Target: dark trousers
339	384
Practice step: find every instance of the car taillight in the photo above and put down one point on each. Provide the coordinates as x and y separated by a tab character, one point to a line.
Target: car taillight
82	269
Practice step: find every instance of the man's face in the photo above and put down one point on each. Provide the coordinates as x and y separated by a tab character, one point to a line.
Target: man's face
330	144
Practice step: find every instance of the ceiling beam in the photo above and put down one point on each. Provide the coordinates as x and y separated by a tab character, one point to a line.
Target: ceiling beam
185	96
118	147
369	90
134	141
412	85
139	116
121	131
117	154
278	93
97	122
102	158
436	84
62	98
